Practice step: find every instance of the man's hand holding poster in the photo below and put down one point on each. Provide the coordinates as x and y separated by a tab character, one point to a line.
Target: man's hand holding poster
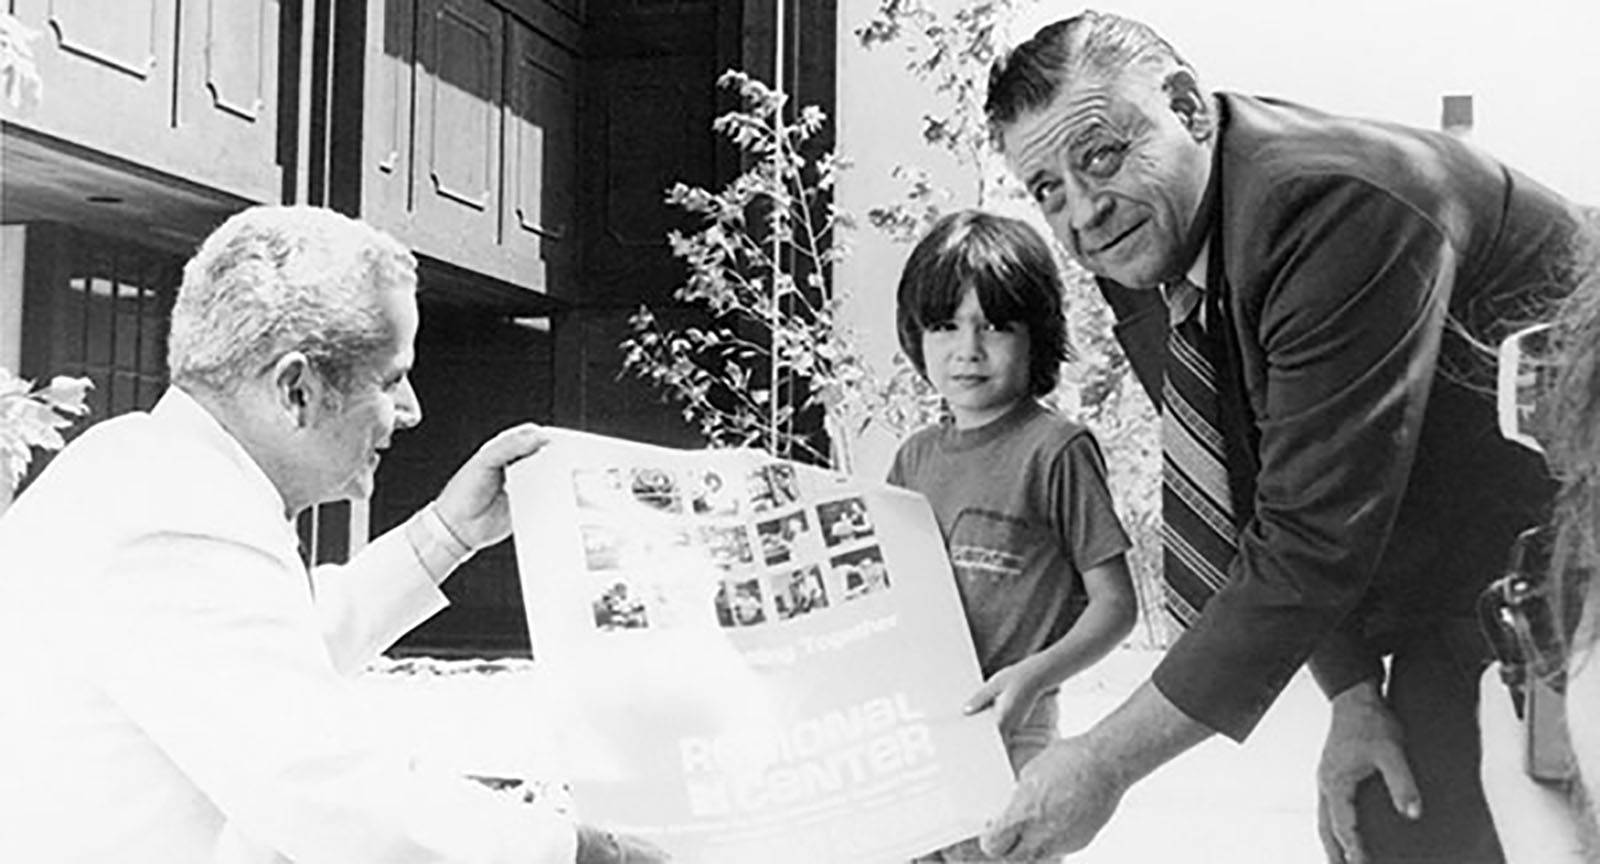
764	661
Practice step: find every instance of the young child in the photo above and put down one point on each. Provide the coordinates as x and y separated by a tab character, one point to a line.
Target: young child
1019	491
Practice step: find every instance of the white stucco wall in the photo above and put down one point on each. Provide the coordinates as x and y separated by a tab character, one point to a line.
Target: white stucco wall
1532	67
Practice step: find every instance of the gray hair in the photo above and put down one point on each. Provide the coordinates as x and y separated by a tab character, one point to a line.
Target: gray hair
1027	78
272	280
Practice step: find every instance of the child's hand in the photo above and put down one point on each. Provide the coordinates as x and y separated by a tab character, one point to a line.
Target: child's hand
1012	691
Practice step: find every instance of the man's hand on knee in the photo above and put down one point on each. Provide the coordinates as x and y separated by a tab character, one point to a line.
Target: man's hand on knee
1364	738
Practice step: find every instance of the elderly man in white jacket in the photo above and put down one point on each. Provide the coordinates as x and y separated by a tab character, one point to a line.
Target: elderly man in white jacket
175	681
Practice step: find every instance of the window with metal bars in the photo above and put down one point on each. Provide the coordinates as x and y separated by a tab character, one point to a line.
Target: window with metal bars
111	322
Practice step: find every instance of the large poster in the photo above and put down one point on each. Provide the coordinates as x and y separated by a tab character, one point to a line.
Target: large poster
762	661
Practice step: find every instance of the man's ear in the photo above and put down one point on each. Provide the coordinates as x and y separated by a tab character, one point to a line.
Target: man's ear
298	391
1189	102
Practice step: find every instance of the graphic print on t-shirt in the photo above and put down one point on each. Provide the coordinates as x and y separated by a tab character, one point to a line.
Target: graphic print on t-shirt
983	545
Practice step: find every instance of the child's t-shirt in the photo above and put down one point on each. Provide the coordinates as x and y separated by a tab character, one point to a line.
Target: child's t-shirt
1024	508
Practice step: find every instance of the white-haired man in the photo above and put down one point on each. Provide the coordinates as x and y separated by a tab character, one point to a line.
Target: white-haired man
183	696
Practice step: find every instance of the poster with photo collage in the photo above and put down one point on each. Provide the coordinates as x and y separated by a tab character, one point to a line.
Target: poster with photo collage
761	660
778	555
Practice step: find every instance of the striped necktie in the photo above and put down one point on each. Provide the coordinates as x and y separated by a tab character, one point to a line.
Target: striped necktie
1198	536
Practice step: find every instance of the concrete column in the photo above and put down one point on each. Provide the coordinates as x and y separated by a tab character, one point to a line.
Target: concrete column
13	245
13	248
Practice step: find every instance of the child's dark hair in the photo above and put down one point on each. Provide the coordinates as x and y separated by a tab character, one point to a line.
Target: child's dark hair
1009	266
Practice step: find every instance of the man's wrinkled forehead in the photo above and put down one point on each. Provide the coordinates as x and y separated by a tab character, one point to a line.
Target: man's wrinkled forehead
1082	103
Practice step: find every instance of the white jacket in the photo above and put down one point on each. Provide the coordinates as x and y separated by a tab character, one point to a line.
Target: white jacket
169	667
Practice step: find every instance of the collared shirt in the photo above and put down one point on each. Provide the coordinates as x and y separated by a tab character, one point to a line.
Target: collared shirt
1182	299
177	693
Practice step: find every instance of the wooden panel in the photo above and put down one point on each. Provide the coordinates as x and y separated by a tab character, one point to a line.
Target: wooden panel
649	73
460	49
650	128
560	20
107	70
387	114
187	89
235	61
469	143
541	158
119	36
227	94
647	141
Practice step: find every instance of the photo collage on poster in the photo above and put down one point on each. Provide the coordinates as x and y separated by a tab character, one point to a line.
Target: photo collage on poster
778	557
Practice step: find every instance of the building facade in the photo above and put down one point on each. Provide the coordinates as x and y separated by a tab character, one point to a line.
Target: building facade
520	147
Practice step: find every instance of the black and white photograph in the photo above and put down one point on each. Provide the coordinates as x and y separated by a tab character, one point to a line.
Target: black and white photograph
602	547
799	592
864	573
728	546
713	494
772	487
619	607
739	603
599	488
860	571
656	488
844	521
785	538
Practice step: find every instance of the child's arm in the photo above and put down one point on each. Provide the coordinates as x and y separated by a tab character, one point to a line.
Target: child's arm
1105	622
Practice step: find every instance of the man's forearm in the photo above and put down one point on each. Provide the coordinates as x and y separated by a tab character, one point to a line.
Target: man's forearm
1145	732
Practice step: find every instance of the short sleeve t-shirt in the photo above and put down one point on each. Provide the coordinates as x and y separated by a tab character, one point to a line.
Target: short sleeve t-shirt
1024	508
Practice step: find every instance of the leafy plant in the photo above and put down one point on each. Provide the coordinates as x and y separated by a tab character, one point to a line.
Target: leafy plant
952	52
772	361
32	418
